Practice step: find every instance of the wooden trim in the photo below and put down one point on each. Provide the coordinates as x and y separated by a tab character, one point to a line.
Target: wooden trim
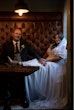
11	16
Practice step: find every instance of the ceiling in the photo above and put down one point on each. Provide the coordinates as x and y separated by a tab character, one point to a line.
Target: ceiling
34	6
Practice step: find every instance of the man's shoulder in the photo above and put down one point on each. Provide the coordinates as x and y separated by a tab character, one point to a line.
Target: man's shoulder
23	42
8	43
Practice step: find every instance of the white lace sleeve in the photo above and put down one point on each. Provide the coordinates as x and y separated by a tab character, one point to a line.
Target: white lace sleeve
61	49
62	52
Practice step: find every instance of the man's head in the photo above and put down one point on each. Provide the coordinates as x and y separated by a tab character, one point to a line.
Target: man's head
17	33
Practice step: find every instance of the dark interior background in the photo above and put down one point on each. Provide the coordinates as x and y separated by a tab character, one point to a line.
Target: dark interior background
34	5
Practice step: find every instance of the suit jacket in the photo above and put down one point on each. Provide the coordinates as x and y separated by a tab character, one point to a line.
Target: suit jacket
26	51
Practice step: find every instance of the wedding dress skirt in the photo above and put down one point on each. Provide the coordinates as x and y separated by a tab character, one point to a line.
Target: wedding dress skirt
47	87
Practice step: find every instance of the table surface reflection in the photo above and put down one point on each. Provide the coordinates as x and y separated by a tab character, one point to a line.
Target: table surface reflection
17	69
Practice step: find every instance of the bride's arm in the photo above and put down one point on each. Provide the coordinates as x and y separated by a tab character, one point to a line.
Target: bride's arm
53	58
45	55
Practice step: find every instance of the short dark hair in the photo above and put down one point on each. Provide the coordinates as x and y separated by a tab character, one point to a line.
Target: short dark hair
60	35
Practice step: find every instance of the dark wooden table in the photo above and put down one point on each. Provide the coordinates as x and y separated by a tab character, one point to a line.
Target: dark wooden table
17	69
12	70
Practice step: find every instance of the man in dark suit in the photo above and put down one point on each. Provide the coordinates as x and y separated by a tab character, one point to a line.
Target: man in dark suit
19	50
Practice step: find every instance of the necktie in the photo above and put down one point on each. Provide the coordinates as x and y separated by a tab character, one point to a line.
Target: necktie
17	55
17	48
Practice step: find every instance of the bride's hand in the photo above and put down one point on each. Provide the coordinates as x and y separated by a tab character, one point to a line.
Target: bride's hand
42	61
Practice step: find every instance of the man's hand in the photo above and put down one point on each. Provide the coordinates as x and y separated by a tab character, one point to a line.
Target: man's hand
42	61
13	62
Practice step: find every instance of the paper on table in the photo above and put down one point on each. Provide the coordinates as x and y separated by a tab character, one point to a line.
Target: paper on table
33	62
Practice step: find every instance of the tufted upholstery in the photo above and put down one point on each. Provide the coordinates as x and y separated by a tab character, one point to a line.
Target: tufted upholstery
37	28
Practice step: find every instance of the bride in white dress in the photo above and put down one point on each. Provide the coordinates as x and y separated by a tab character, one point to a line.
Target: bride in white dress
47	87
